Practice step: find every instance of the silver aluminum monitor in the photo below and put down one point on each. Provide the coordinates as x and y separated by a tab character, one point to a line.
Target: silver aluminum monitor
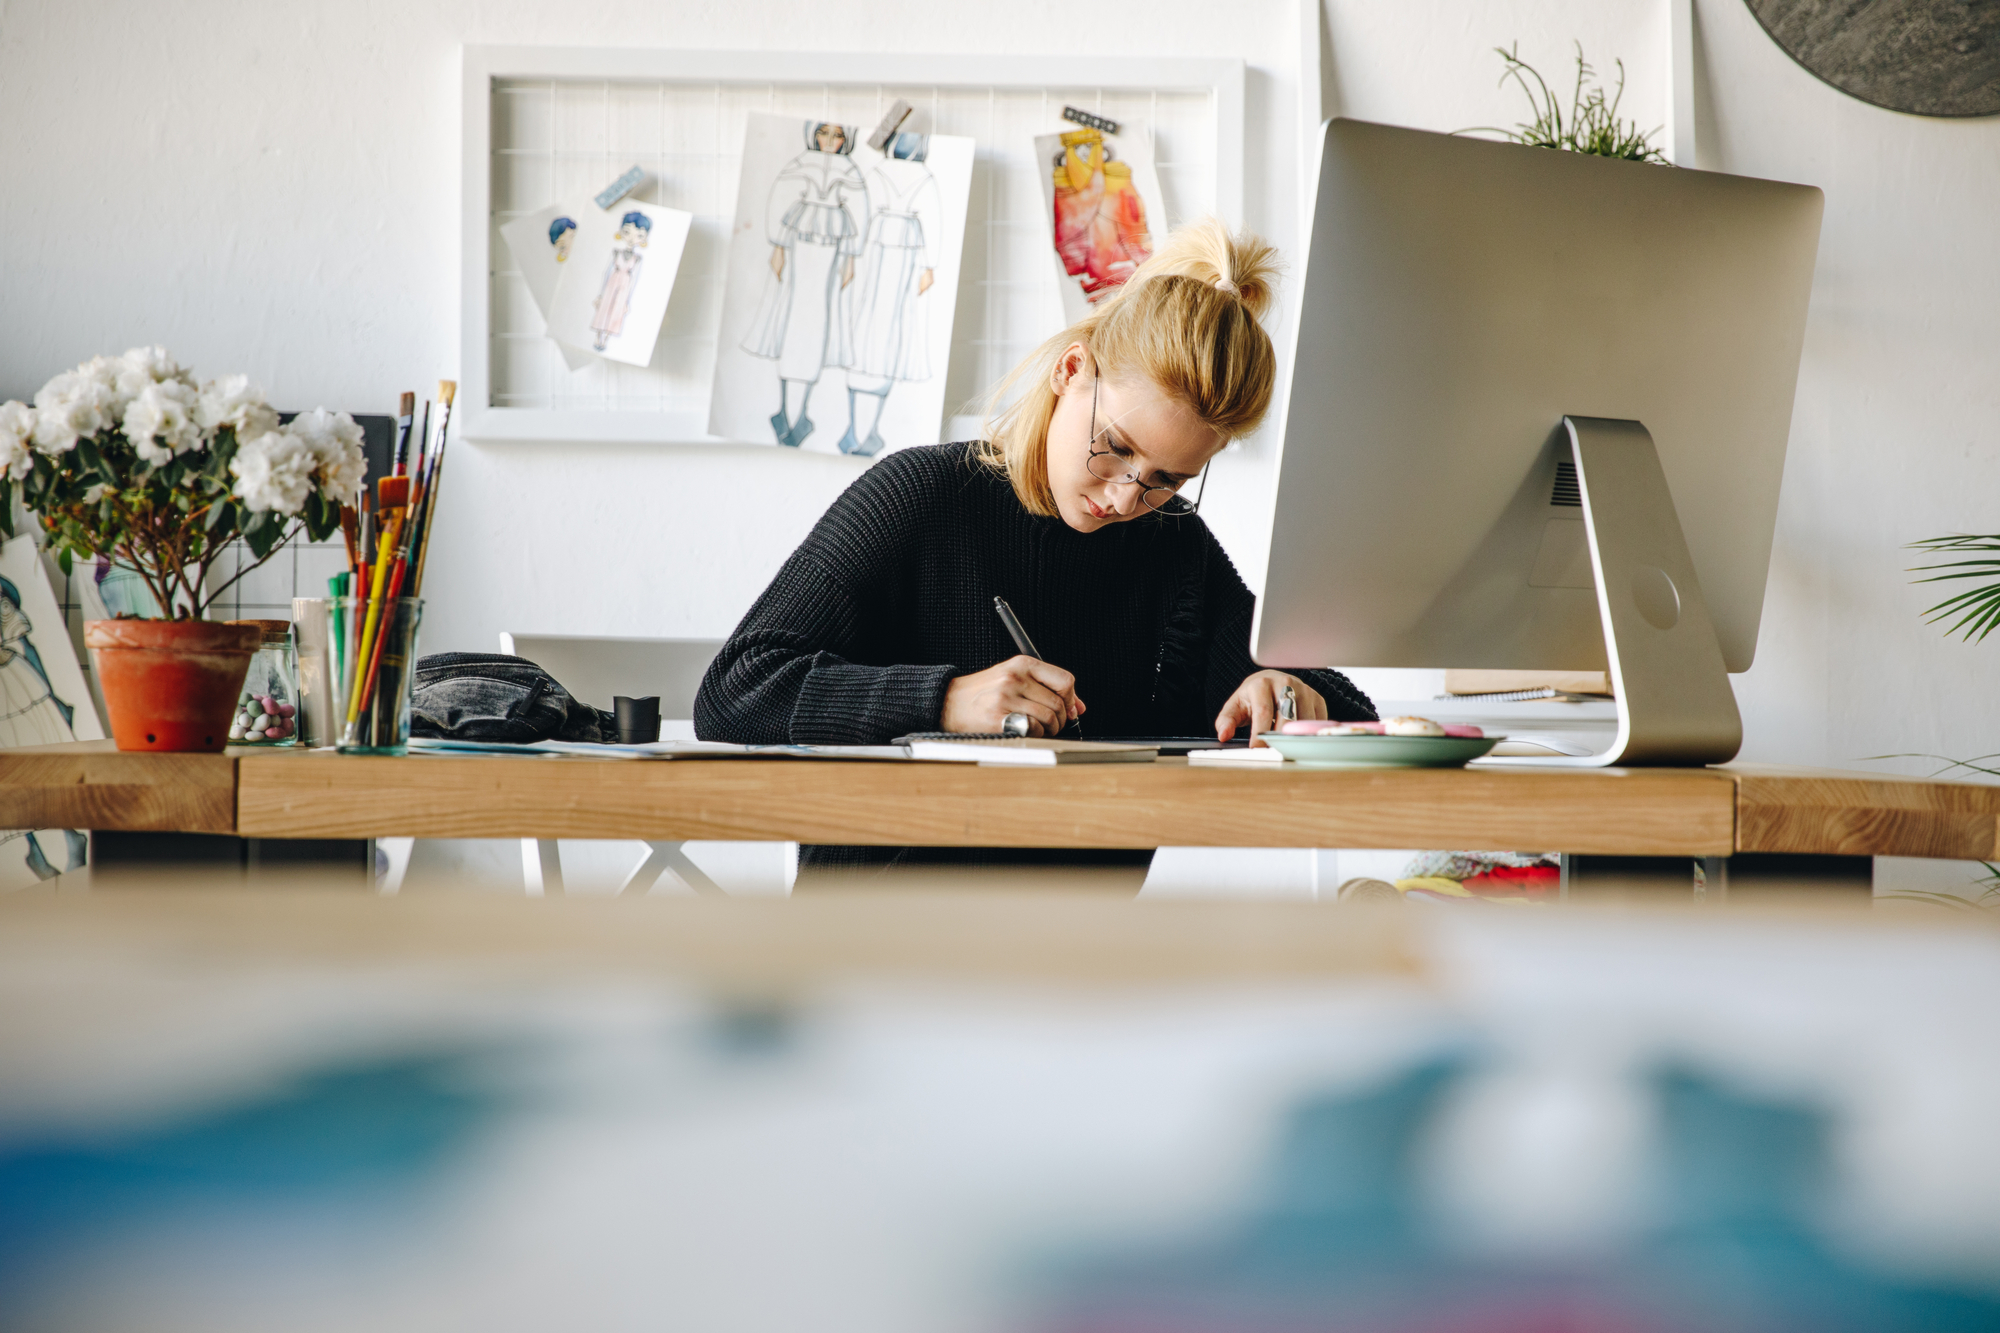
1461	299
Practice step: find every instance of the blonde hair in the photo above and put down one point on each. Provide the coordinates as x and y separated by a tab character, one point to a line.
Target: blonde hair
1186	320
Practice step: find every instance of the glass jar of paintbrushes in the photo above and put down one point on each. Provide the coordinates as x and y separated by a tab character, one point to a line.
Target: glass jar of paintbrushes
375	654
375	606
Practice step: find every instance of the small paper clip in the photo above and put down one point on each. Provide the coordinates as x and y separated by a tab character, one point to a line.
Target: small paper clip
619	188
1089	121
899	111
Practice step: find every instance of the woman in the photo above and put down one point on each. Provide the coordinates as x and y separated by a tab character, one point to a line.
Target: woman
882	622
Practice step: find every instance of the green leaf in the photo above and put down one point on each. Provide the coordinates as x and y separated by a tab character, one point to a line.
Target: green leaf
63	560
220	516
220	453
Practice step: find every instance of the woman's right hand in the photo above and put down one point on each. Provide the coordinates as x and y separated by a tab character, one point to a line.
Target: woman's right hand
982	700
778	261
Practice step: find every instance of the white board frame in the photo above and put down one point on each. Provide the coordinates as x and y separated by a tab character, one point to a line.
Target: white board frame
1222	79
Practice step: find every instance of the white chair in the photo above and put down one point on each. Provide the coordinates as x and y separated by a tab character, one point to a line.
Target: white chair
594	670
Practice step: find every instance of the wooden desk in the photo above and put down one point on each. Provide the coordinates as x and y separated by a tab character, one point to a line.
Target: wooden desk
291	794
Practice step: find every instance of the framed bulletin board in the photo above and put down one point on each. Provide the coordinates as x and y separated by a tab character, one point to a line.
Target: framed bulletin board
543	124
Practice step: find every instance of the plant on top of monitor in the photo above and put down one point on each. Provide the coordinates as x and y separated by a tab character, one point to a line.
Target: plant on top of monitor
1592	124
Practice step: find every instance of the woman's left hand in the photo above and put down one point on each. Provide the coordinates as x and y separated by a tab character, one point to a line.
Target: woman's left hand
1256	702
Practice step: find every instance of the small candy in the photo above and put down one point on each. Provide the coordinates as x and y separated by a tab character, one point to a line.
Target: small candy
269	704
286	728
272	733
259	722
236	731
286	710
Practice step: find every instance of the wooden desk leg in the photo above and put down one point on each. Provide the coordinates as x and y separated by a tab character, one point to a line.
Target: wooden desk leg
1744	877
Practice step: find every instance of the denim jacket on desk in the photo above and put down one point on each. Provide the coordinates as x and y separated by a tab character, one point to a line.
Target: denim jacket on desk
494	697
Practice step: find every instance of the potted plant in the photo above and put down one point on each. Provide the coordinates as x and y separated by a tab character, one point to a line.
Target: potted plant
129	457
1592	125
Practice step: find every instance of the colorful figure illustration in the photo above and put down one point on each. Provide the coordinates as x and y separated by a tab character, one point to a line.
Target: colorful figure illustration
1100	220
814	219
562	232
888	338
31	714
607	316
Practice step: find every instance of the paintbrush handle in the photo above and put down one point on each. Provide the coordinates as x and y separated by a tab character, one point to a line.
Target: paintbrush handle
382	633
374	617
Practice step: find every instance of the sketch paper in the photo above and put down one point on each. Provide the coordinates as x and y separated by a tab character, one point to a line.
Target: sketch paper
841	287
541	242
613	289
43	701
1105	209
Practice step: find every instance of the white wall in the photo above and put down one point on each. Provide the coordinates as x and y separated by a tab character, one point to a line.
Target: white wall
273	189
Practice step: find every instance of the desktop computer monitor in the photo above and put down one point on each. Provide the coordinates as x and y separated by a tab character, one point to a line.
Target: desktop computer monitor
1460	482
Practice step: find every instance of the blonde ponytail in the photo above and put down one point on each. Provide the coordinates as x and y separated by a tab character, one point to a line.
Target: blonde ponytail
1187	320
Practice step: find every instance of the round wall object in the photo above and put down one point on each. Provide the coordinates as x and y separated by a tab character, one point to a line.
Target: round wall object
1926	57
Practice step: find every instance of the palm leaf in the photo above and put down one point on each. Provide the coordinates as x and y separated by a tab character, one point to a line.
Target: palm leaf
1977	609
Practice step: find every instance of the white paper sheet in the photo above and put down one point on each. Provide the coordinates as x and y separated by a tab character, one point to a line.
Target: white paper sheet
541	242
1105	210
44	700
842	282
612	292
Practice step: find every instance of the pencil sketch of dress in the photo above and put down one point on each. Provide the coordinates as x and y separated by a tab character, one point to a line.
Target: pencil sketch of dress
890	335
621	275
813	218
30	714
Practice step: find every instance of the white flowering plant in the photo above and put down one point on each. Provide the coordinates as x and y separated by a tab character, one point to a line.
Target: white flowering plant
130	457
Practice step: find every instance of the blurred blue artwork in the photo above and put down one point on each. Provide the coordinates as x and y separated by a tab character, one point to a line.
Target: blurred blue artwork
1339	1242
352	1144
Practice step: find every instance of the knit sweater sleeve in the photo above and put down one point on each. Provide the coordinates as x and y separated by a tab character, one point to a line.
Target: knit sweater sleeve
1229	662
800	669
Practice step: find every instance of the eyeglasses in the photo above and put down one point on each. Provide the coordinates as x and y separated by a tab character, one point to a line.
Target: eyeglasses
1109	465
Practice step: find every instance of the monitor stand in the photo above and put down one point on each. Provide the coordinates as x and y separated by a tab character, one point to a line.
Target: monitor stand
1675	705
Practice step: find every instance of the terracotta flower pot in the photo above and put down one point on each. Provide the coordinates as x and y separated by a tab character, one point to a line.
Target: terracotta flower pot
170	684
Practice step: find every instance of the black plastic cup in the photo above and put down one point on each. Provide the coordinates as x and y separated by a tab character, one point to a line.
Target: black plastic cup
638	719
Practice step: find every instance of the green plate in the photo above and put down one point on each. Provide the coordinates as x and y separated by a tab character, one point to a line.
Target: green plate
1380	751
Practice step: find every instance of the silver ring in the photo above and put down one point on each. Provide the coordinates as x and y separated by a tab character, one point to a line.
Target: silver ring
1014	724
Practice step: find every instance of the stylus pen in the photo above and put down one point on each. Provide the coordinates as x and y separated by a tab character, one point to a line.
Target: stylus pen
1023	644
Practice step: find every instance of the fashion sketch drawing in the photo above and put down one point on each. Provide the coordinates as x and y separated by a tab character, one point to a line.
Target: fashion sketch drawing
889	336
621	275
815	217
31	714
1100	218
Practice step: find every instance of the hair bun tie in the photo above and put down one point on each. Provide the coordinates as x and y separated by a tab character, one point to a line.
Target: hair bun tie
1227	287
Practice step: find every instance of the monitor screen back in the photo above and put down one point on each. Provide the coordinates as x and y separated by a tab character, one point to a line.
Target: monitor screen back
1460	298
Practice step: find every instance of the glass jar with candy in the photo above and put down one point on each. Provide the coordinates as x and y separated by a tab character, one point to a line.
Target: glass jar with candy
268	712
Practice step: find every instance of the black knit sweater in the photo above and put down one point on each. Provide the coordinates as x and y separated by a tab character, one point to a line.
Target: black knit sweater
891	596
